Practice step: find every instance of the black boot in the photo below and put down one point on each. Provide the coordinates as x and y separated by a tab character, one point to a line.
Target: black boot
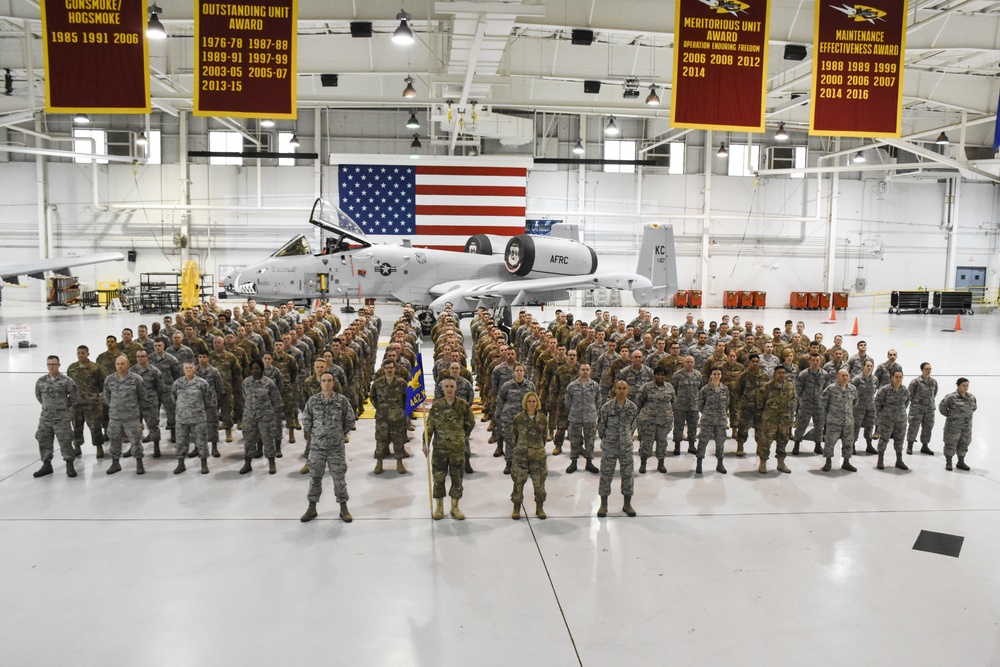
139	468
962	465
899	462
909	448
698	467
115	467
46	469
795	449
271	468
259	452
156	449
846	465
590	467
870	448
881	461
506	469
468	465
828	464
204	466
642	465
180	466
924	449
173	436
719	468
660	467
215	450
677	448
277	450
818	449
70	470
100	451
247	465
572	466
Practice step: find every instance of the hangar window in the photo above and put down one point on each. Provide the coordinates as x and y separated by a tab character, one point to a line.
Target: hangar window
154	148
225	142
285	146
738	159
676	157
100	145
619	150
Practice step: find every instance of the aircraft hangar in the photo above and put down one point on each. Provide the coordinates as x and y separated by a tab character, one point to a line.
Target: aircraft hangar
209	141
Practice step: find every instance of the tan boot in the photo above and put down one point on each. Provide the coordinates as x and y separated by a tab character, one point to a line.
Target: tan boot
310	513
455	512
304	470
762	468
739	450
345	514
602	511
539	512
229	434
291	436
782	467
378	467
516	513
399	466
438	509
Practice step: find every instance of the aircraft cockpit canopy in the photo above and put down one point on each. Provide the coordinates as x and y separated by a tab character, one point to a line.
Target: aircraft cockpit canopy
343	232
294	248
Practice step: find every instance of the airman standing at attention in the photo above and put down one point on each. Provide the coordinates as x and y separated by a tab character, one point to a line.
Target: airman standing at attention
713	404
57	393
615	424
464	391
152	380
655	402
744	393
125	394
890	407
864	412
583	399
957	408
326	418
448	423
388	397
508	406
261	402
839	400
528	434
558	413
809	385
776	401
194	408
89	379
923	394
687	384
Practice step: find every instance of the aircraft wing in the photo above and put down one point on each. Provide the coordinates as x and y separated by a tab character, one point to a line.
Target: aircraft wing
60	265
515	292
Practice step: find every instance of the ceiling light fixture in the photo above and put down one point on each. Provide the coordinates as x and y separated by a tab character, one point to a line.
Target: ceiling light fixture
409	91
723	152
611	129
653	99
781	135
141	139
416	141
943	140
403	35
413	123
81	119
579	149
294	141
859	158
267	122
154	29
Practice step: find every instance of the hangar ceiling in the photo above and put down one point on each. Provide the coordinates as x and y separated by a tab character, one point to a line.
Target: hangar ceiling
518	57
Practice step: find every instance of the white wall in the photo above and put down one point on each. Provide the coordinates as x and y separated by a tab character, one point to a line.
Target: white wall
888	232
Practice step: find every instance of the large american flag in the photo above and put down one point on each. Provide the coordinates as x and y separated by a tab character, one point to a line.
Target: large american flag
435	206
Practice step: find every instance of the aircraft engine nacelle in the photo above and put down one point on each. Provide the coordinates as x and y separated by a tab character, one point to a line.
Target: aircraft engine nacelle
486	244
541	256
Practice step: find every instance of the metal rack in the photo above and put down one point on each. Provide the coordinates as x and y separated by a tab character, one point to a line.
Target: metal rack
64	291
161	292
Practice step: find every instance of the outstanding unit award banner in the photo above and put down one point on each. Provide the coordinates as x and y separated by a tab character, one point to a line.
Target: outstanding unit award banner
858	56
96	57
245	58
720	61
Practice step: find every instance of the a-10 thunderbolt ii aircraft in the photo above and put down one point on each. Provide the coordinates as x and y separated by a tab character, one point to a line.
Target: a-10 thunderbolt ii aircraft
494	272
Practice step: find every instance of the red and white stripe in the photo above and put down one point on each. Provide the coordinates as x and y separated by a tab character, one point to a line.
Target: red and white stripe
455	202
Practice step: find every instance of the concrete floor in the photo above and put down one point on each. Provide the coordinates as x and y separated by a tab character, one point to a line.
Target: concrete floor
737	569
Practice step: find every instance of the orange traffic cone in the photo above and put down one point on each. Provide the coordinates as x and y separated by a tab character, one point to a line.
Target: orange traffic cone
855	332
958	322
833	313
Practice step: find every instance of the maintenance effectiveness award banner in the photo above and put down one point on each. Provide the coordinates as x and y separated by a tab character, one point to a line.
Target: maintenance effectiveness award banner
720	64
858	57
96	56
245	58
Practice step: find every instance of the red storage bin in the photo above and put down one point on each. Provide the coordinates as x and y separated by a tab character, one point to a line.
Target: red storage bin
694	298
840	300
812	300
759	299
799	300
824	301
730	299
746	299
681	299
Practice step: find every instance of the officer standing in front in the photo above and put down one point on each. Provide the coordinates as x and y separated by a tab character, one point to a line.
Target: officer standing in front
615	424
57	394
125	394
448	423
327	416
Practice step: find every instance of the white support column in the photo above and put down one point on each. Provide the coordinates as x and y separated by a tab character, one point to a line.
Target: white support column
951	226
707	212
185	182
831	227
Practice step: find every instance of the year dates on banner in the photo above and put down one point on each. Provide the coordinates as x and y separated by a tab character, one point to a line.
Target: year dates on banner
245	59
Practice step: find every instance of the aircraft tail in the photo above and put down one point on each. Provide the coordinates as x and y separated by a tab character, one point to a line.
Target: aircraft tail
658	262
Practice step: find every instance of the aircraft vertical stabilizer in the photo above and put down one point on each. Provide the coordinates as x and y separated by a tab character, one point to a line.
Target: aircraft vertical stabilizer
658	262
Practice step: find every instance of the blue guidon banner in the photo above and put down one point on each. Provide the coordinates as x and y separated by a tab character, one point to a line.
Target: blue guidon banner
415	391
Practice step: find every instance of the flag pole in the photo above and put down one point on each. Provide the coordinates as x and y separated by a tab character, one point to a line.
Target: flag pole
427	457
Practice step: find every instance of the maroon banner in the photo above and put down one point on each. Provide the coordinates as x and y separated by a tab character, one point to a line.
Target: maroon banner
858	57
245	58
720	60
96	57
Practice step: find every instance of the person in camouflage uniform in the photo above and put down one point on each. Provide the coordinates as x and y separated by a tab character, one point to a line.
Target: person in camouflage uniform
600	370
261	402
615	424
274	375
583	398
776	402
744	394
687	384
655	402
864	413
232	382
124	393
464	391
713	404
558	413
211	375
106	360
923	394
891	402
809	385
152	381
839	400
388	397
57	394
885	370
289	369
448	423
528	442
326	418
957	408
89	379
170	371
508	405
